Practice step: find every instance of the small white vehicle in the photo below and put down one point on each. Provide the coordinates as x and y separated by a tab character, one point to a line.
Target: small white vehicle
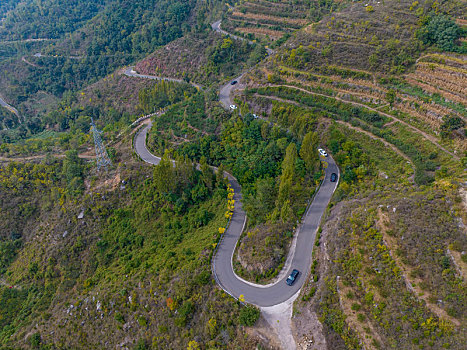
255	116
322	152
233	107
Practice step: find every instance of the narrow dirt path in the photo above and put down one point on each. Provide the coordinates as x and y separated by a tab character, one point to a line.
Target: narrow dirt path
430	138
29	63
84	155
390	145
394	148
5	284
279	317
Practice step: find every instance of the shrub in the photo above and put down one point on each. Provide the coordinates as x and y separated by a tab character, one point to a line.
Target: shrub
310	294
119	317
35	340
451	123
249	315
441	31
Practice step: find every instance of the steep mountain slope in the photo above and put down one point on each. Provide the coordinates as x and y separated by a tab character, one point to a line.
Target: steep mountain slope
93	39
122	258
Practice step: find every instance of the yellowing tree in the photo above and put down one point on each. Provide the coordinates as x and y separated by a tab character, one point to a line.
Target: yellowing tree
212	327
193	345
227	43
170	303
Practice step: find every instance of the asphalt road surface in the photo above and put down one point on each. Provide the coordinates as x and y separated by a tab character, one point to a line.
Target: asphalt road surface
130	72
280	291
224	94
222	262
10	108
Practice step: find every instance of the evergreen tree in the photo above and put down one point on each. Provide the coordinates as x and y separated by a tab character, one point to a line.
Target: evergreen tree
308	151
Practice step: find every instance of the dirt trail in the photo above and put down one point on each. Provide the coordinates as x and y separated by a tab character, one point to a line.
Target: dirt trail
394	148
390	145
85	155
430	138
279	318
28	62
6	284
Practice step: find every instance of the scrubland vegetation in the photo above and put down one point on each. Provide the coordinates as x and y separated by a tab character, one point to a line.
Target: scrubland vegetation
205	58
142	264
122	258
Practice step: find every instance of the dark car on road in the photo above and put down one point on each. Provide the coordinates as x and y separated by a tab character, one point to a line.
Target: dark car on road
293	276
234	82
333	177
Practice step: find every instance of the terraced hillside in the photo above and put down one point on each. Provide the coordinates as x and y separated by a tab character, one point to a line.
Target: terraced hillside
202	57
352	57
269	20
383	95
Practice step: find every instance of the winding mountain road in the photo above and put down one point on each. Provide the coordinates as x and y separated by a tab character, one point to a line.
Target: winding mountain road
226	90
10	108
224	274
302	247
130	72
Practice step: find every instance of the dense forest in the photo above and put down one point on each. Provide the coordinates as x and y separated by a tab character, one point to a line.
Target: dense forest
94	40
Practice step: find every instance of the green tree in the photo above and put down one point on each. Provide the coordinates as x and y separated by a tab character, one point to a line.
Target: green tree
450	124
288	174
441	31
164	175
260	205
220	179
287	212
391	96
35	340
207	174
72	165
308	151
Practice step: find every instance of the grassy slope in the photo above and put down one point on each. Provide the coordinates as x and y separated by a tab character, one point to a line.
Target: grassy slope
129	264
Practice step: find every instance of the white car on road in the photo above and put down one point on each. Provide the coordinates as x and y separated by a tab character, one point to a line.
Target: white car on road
322	152
233	107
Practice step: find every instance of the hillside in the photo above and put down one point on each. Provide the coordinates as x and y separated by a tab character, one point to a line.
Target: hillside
268	21
375	94
205	58
116	266
191	250
91	40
